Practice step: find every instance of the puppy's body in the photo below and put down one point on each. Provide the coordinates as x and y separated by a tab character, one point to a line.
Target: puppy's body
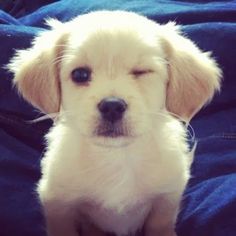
115	186
116	159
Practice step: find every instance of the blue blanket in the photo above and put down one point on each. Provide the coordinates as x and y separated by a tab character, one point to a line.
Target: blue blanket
209	202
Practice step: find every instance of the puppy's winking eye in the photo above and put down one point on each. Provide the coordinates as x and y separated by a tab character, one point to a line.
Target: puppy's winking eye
140	72
81	75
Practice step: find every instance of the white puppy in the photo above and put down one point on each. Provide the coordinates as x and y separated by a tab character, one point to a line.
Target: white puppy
117	160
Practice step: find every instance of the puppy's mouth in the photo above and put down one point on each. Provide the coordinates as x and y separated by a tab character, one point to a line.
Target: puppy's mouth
112	130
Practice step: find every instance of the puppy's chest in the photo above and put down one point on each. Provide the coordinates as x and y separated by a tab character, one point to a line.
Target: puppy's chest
117	197
124	222
116	178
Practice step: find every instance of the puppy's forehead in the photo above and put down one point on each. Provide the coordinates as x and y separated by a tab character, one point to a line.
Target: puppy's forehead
114	33
112	19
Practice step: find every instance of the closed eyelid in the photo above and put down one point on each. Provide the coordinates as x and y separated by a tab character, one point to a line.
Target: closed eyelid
140	72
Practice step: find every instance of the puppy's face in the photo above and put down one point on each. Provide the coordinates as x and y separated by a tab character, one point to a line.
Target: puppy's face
110	74
112	81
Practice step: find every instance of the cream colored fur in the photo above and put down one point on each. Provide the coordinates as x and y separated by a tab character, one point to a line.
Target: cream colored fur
115	184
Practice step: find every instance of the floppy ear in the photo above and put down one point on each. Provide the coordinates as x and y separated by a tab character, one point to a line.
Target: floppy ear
193	75
36	70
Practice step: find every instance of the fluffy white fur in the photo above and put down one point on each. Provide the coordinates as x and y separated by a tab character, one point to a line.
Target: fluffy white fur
99	184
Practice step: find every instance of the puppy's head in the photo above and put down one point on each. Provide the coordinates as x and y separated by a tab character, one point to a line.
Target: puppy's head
109	74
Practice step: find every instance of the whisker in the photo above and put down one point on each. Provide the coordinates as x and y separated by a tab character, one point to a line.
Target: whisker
60	59
61	45
189	129
51	116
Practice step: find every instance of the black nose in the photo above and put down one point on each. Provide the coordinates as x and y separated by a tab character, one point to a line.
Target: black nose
112	108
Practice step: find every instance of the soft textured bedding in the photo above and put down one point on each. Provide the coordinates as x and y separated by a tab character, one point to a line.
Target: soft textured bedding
209	202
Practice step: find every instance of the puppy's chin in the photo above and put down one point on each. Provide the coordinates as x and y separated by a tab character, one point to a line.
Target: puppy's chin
111	142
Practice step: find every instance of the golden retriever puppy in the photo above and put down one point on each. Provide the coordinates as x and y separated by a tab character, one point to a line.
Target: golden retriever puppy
117	160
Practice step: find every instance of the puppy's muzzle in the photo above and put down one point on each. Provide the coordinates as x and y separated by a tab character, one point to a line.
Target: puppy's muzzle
112	109
112	124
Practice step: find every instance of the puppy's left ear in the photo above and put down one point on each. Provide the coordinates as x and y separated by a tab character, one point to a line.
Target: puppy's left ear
36	70
193	75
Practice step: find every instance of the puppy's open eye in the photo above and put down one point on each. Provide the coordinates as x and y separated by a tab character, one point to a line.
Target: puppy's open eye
140	72
81	75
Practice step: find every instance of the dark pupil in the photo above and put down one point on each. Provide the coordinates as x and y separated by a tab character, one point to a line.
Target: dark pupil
81	75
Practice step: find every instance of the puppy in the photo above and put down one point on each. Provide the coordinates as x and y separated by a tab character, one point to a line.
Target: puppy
117	160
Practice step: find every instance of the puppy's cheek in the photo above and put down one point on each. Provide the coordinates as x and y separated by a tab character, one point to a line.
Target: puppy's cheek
82	119
138	118
87	124
140	125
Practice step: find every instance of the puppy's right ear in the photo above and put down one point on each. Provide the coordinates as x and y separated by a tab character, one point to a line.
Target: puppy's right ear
36	70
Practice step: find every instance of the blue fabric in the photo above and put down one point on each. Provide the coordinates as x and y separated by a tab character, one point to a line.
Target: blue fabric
209	205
